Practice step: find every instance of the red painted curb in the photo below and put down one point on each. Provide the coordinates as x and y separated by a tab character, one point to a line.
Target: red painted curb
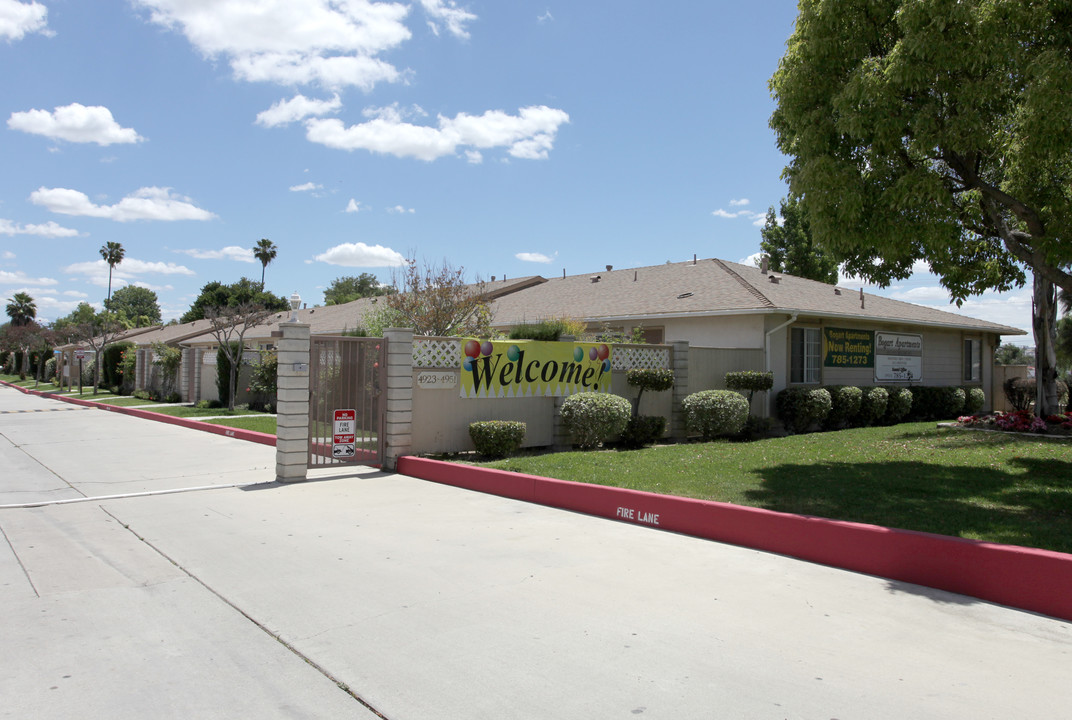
1025	578
237	433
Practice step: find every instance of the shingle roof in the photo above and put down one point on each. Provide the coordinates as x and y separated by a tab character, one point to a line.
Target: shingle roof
705	288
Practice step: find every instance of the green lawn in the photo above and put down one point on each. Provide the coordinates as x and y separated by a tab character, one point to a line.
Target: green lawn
187	411
264	424
988	486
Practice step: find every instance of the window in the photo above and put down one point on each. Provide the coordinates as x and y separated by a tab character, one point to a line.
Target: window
805	355
973	361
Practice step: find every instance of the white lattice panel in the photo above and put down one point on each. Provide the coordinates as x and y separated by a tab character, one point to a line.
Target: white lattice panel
437	352
627	357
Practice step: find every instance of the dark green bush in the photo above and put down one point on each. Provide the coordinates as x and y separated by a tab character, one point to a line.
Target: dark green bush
974	400
845	401
1019	392
643	430
497	438
715	413
750	381
872	406
111	359
654	379
546	330
755	428
592	418
934	402
799	408
898	404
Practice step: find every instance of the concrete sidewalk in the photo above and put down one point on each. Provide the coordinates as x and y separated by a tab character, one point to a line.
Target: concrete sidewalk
370	590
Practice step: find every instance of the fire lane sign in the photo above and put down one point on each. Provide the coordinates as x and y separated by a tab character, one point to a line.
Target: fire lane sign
344	434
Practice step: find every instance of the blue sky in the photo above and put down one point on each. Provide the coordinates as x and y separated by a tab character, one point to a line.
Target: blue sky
520	138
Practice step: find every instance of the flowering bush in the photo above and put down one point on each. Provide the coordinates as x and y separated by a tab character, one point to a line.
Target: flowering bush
1020	421
1017	421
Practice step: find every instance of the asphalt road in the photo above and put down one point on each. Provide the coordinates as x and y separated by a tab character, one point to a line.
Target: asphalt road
365	594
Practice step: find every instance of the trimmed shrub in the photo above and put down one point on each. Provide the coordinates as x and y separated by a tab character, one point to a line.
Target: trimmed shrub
931	402
50	368
592	418
872	406
898	404
845	401
799	408
497	438
643	430
754	428
974	400
1019	392
750	381
654	379
714	413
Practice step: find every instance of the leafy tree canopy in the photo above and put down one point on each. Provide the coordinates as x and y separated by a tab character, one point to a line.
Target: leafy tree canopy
137	304
936	130
21	309
243	292
436	300
349	288
789	245
1009	354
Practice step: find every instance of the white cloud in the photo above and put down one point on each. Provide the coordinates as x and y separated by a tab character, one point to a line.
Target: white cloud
148	203
361	255
724	214
399	210
96	271
354	206
739	203
7	255
528	135
306	187
49	229
448	13
758	219
18	19
297	108
74	123
534	257
231	252
22	279
546	17
474	157
292	42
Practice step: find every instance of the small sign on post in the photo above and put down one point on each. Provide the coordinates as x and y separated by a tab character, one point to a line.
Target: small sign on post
344	434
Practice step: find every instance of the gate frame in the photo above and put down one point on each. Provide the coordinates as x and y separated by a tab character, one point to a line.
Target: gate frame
371	406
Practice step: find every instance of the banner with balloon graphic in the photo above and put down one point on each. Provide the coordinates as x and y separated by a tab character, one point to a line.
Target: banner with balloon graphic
531	368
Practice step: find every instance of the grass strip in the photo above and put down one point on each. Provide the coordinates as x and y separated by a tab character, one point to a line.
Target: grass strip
262	424
986	486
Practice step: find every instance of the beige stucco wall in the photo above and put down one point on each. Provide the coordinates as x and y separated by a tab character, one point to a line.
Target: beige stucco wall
736	331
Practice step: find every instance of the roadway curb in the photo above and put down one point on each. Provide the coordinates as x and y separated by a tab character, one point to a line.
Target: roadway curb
237	433
1025	578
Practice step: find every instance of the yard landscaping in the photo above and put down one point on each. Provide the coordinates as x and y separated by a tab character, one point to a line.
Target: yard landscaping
995	487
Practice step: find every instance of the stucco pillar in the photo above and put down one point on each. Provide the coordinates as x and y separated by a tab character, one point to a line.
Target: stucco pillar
679	363
184	375
398	421
292	412
195	376
141	368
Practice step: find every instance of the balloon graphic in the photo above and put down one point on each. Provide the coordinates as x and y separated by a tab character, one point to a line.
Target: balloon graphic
472	348
468	364
512	354
604	352
593	354
578	354
486	348
606	365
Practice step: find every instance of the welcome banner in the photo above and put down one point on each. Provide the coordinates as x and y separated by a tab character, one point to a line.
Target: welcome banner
530	368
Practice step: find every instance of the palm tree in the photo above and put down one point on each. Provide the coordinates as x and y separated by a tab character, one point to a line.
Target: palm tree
265	252
113	255
21	310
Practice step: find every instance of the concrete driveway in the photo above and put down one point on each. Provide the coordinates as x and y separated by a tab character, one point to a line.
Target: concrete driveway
365	594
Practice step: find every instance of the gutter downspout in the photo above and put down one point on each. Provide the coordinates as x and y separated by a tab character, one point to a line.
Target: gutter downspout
766	339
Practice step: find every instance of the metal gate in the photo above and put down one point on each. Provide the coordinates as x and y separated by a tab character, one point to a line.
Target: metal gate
347	379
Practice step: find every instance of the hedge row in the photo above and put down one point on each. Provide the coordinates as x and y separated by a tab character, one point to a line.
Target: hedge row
838	406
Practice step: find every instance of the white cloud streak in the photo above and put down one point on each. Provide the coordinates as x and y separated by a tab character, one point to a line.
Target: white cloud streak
297	109
231	252
75	123
449	14
528	135
361	255
306	187
50	229
148	203
534	257
96	271
21	278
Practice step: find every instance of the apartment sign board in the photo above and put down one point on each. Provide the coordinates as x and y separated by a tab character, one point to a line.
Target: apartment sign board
898	357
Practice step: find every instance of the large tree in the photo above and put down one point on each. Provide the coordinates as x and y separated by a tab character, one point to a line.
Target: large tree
113	253
138	305
349	288
265	252
937	130
436	300
99	332
245	291
21	309
789	246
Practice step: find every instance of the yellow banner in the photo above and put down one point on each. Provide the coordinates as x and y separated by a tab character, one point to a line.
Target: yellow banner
530	368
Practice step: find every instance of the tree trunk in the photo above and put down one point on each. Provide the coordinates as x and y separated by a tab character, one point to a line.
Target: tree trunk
232	390
1044	323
